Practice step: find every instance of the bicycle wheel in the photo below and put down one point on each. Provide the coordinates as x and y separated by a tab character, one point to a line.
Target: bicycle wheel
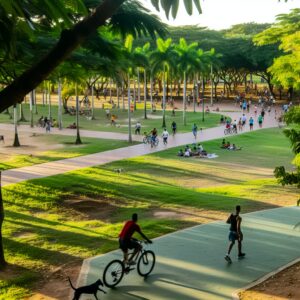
156	142
145	140
113	273
226	131
146	263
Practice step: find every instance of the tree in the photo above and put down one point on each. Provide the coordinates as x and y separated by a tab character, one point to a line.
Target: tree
286	33
162	59
292	118
69	40
187	58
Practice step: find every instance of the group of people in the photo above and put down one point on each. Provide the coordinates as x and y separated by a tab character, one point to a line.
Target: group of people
228	146
195	150
47	123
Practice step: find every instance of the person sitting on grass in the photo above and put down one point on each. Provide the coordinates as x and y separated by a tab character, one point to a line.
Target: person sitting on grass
234	147
113	120
223	143
187	153
72	126
180	153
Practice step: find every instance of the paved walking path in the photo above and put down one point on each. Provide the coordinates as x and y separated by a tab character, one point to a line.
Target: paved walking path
190	263
61	166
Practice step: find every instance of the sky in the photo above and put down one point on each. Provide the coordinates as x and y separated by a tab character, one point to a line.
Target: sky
222	14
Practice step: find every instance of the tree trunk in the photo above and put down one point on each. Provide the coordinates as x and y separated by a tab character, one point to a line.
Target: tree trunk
145	94
16	140
70	39
2	258
30	107
164	99
78	139
22	117
59	106
184	98
129	112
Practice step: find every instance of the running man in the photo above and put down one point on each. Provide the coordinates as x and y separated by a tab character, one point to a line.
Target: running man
165	136
235	233
127	242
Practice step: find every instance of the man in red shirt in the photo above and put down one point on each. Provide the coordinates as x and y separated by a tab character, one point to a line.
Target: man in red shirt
127	242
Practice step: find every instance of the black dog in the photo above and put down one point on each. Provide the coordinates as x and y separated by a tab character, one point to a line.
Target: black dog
88	289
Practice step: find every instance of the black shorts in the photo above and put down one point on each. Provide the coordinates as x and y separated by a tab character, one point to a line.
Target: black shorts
128	244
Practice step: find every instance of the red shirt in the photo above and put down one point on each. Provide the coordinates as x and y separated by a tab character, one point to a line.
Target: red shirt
128	230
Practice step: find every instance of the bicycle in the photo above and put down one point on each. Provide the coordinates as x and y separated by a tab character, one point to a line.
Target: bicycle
230	131
116	269
148	140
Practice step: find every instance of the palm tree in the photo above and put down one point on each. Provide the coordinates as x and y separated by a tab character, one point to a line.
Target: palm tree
142	55
162	59
187	58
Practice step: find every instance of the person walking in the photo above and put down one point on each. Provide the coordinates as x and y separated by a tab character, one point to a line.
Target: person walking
165	136
138	127
251	122
235	233
194	130
174	127
260	120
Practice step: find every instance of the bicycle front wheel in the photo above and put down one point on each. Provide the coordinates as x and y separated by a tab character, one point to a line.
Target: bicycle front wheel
113	273
146	263
145	140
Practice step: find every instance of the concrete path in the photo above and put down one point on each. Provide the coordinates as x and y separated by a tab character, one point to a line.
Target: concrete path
61	166
190	263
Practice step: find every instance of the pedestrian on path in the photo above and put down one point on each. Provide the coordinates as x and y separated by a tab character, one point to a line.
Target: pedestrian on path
235	233
165	136
251	122
194	130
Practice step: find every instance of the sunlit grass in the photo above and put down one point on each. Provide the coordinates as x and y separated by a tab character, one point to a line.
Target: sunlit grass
42	230
102	123
68	149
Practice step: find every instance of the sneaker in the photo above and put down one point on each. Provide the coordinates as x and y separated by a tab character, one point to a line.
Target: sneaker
227	258
241	255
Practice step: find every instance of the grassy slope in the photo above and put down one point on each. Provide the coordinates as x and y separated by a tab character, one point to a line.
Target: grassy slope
69	149
103	124
40	233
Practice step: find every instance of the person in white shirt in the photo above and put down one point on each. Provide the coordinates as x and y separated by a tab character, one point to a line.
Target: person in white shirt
165	136
244	119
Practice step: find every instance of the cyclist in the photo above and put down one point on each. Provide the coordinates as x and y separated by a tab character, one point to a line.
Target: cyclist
127	242
174	127
153	136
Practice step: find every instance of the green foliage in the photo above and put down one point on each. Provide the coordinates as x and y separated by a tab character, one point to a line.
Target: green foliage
173	5
286	32
293	133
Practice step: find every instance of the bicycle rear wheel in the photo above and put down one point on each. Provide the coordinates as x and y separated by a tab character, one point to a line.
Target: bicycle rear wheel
146	263
113	273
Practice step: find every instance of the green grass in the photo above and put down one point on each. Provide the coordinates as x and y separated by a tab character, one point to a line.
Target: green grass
68	149
45	228
103	124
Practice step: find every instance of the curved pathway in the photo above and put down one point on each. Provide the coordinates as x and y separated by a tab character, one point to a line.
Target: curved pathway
62	166
190	263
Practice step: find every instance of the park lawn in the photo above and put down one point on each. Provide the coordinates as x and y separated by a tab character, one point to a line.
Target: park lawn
66	148
101	123
65	218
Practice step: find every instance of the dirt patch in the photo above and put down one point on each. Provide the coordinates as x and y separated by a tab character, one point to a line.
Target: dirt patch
55	284
284	285
23	234
84	208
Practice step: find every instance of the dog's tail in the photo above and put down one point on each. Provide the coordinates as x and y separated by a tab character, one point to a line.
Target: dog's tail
71	284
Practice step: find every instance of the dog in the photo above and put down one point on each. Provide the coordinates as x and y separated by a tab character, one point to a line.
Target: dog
2	138
88	289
